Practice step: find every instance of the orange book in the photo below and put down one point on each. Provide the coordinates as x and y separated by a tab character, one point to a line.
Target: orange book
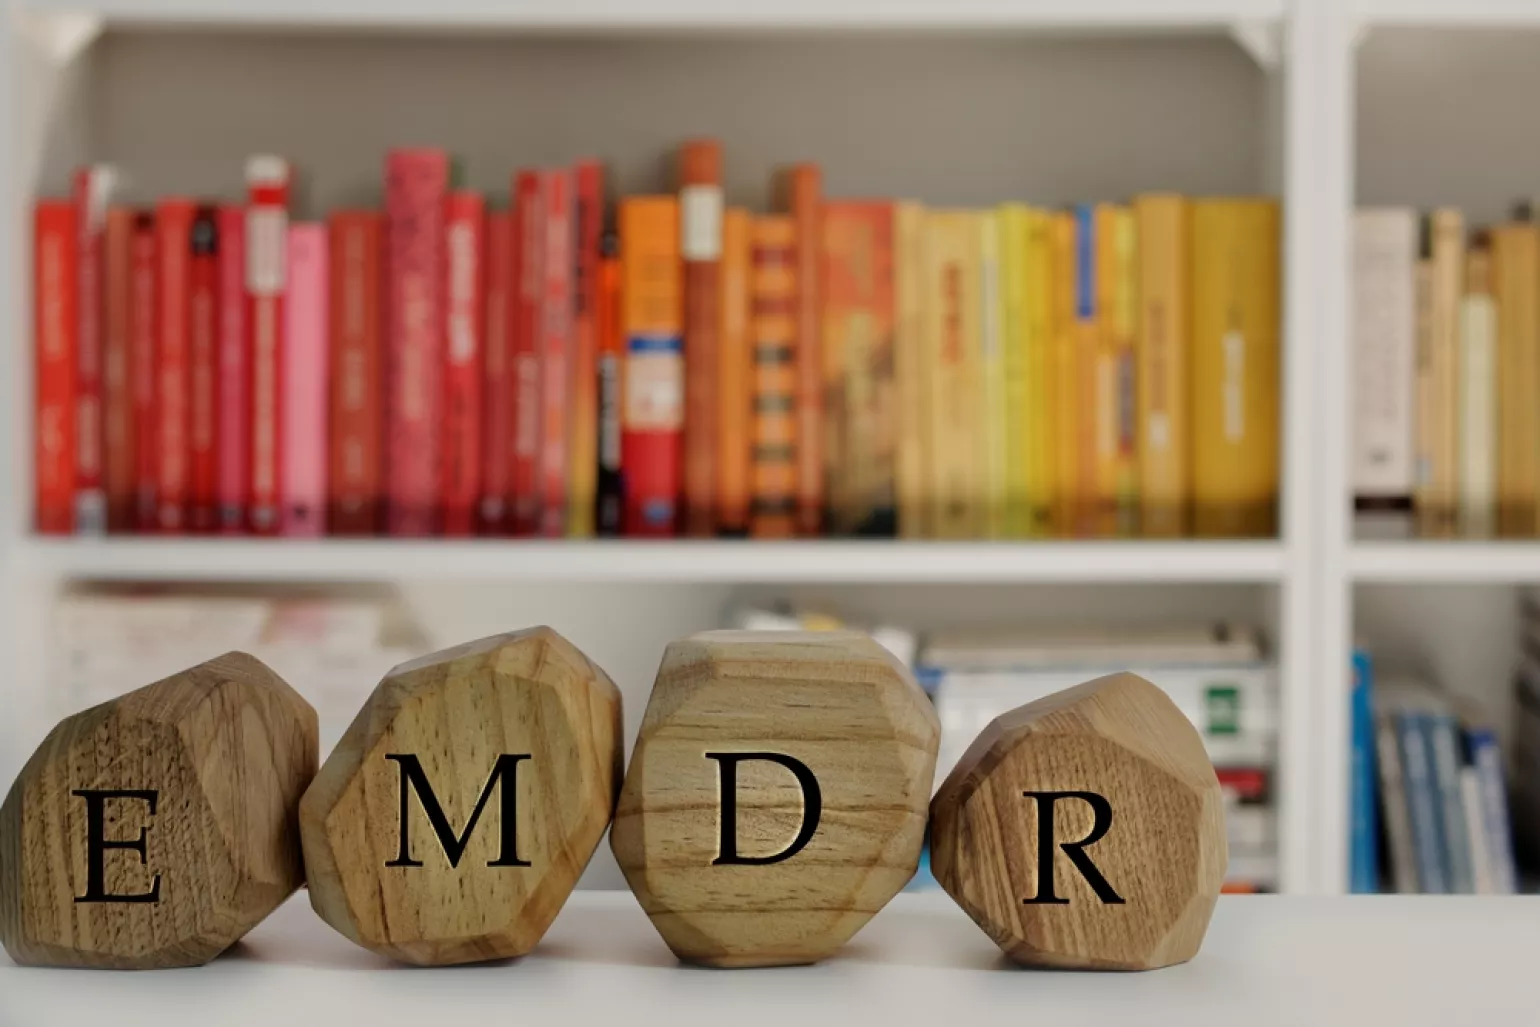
734	385
700	244
773	330
653	411
800	190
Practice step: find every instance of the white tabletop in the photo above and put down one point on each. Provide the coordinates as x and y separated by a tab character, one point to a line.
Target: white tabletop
1293	962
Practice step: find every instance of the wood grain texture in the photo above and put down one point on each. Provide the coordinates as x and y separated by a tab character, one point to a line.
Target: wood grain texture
840	705
458	711
1163	852
227	748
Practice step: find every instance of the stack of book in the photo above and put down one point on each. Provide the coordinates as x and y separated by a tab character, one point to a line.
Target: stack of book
561	366
1446	361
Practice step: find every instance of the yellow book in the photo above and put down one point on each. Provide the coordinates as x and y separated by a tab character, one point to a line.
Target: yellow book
1163	365
1516	282
910	474
1013	220
1069	492
951	373
1036	420
1122	317
992	376
1235	367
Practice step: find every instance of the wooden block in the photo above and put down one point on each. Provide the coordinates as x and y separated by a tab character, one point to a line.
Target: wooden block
458	811
1085	830
157	829
777	795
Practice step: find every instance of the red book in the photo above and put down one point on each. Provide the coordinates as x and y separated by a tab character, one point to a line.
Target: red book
416	186
801	195
203	364
93	191
529	213
497	354
555	351
56	267
357	372
583	442
143	329
233	389
305	361
267	237
173	388
118	434
464	307
700	241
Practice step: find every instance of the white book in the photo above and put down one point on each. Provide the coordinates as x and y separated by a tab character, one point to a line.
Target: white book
1478	415
1384	355
1475	826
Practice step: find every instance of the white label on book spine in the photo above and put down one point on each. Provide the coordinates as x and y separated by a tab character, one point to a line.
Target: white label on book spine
1384	351
267	230
700	222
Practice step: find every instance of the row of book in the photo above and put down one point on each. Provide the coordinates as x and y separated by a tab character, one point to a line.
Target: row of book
1446	372
662	365
1429	806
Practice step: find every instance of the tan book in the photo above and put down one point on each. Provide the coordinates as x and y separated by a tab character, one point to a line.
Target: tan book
953	374
910	471
1164	347
1438	496
1516	262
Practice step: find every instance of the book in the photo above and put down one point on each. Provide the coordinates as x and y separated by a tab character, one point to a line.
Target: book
1036	422
735	376
1438	498
583	445
267	232
464	338
143	329
773	328
1235	367
1012	224
497	377
800	192
1122	319
1516	292
910	472
118	423
700	246
1013	648
233	390
1422	802
1070	490
173	387
1093	427
56	312
1478	396
951	360
653	405
857	340
1476	831
93	189
1164	363
356	379
1385	361
610	502
1422	292
1486	761
555	348
305	363
995	422
1363	839
416	192
1444	744
528	273
1393	801
203	371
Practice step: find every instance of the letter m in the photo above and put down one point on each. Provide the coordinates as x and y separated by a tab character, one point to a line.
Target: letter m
414	779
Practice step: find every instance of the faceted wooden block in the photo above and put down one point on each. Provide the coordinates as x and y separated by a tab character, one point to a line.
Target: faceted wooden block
777	795
458	811
1085	830
157	829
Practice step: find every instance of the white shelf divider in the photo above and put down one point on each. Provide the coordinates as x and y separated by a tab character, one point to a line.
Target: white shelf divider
1446	13
1428	562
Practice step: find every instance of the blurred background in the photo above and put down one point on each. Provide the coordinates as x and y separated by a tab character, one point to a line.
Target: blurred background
1194	337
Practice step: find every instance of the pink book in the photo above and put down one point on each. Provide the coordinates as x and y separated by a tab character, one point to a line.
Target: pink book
416	188
234	370
304	373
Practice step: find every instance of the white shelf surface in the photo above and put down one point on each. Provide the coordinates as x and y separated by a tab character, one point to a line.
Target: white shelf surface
601	14
1513	562
1409	961
193	559
1447	13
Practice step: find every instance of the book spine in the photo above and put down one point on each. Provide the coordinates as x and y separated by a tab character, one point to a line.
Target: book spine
56	264
118	449
267	236
735	376
1516	291
305	362
1094	427
1398	825
496	410
609	507
1384	358
1040	397
996	420
92	193
1494	800
1445	746
1164	358
654	375
555	350
1122	319
1013	222
416	187
1235	367
1440	497
233	389
910	470
583	442
700	244
1363	864
773	328
1484	881
356	376
173	386
1064	242
529	257
203	371
1422	293
952	355
1422	802
1478	398
464	339
802	198
144	318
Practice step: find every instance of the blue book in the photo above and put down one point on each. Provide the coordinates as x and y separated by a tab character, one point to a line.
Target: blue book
1421	802
1363	854
1444	745
1487	760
